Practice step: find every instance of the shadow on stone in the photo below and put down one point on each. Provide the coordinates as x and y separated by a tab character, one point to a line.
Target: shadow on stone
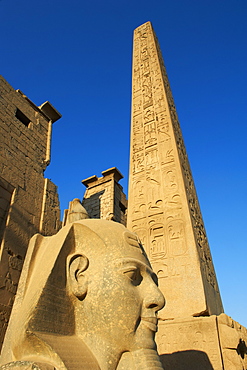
93	205
241	348
186	360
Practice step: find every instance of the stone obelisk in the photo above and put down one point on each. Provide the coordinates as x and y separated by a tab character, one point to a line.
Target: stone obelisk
163	208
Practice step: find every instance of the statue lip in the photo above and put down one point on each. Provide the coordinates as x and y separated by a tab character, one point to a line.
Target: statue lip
150	322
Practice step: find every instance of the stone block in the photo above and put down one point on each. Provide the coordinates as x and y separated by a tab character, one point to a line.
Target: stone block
233	341
205	343
189	344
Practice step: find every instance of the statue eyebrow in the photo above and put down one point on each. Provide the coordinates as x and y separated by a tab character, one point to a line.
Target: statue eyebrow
125	261
132	239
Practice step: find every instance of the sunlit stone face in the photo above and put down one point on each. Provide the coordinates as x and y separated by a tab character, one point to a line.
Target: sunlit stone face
122	296
90	296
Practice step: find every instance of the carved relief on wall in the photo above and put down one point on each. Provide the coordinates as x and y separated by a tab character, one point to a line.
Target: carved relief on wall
137	138
139	227
136	84
148	115
158	88
170	180
139	208
147	91
167	267
163	127
151	158
161	271
152	186
137	142
137	124
167	153
145	67
138	190
156	232
141	30
150	137
159	103
152	53
207	264
173	201
180	147
199	230
139	211
155	206
176	237
144	52
138	162
137	105
143	39
143	35
158	248
199	336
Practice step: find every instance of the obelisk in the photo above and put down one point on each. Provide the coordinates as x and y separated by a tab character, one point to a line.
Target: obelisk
163	208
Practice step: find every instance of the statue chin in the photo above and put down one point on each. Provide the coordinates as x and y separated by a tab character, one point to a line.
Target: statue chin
141	359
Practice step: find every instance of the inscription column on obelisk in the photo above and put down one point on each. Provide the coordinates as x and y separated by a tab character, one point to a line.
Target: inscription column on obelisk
162	207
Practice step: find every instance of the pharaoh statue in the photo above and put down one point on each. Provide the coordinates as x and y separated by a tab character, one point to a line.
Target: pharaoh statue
87	299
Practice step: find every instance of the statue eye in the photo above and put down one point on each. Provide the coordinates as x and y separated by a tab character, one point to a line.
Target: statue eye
133	273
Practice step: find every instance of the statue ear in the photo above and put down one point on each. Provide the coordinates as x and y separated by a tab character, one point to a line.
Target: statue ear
78	281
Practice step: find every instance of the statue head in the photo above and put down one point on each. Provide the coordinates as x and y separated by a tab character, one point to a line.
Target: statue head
91	283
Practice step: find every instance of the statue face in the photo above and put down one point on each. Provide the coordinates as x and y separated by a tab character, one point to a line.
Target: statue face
104	298
122	298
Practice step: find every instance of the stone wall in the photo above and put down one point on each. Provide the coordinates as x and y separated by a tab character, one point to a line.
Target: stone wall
28	202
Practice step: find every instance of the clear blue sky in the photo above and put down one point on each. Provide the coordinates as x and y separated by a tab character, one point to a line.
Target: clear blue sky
77	55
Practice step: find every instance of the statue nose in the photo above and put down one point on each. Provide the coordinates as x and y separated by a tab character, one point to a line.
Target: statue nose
154	298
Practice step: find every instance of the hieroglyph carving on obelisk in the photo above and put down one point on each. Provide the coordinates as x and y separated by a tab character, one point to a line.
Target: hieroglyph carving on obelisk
163	208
